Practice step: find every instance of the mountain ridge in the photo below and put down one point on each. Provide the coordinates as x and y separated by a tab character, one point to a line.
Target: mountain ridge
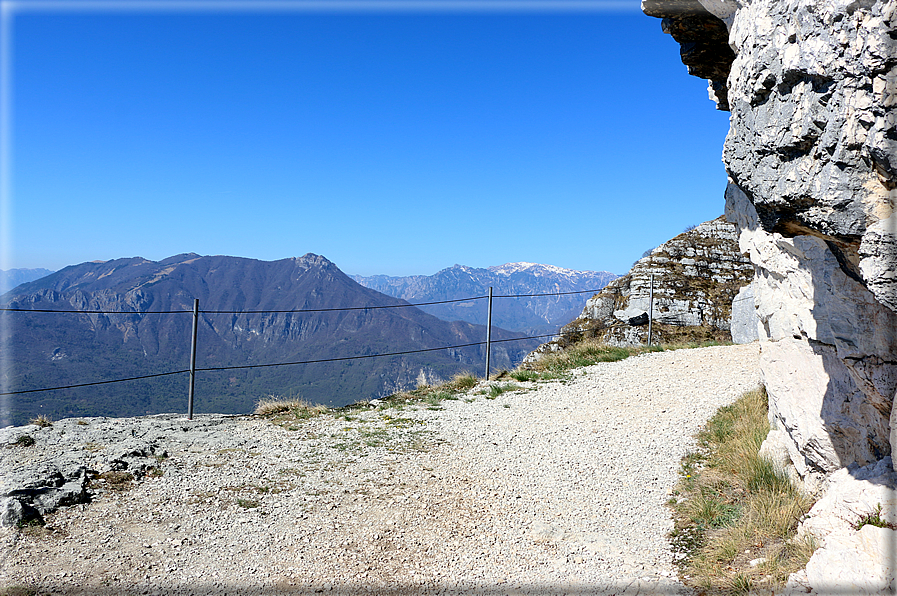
51	350
528	314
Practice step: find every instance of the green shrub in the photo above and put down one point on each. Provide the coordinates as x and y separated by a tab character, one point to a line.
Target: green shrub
25	441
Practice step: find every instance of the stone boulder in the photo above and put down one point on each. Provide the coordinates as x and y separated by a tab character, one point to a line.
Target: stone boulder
744	325
853	558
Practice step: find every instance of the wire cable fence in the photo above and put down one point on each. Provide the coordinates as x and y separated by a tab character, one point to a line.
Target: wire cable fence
196	312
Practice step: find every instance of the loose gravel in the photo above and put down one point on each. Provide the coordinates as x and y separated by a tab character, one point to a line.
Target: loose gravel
555	488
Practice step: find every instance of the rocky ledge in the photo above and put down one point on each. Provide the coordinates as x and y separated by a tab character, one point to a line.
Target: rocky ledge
697	276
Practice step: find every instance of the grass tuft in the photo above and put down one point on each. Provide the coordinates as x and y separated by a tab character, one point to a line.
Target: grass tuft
461	382
41	421
25	441
117	480
300	408
735	507
524	375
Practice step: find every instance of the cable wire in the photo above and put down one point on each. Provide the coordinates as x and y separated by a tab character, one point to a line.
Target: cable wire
165	374
240	312
549	294
99	312
247	366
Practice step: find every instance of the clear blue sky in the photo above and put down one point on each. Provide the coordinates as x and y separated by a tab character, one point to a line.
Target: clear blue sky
390	141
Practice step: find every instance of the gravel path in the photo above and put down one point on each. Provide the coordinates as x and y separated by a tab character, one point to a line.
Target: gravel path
556	489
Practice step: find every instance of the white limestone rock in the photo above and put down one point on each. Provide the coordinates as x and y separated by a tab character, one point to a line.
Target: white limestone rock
744	325
858	561
825	353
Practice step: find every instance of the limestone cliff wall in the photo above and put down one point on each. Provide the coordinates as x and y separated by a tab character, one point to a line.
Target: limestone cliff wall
812	160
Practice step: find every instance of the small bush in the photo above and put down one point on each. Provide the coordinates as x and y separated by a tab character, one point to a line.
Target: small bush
247	503
25	441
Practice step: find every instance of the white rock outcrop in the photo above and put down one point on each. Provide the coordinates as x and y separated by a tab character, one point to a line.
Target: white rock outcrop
812	87
697	275
811	156
854	557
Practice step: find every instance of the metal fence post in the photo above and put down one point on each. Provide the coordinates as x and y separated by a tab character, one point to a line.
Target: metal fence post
488	332
650	309
193	359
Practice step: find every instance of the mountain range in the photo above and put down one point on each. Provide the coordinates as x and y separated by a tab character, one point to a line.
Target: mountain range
11	278
529	315
58	349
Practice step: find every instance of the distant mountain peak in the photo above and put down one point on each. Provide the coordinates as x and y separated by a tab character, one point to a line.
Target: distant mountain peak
534	268
521	278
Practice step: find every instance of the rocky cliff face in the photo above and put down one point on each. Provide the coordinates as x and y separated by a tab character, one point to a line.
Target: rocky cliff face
812	161
696	276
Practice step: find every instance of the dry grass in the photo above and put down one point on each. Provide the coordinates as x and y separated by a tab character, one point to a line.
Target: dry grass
734	507
41	421
586	352
461	382
301	408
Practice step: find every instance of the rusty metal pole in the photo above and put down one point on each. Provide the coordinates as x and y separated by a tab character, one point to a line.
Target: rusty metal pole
193	359
650	309
488	332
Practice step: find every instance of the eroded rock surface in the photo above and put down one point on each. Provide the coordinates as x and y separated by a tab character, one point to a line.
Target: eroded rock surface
811	156
66	463
697	275
811	160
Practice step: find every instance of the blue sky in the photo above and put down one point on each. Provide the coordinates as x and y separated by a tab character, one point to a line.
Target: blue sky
394	141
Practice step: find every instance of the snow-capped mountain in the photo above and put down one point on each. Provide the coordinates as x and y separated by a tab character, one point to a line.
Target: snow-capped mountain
539	314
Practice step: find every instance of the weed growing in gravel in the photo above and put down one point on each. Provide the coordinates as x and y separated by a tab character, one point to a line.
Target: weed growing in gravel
117	480
25	441
41	421
524	375
734	507
496	390
247	503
